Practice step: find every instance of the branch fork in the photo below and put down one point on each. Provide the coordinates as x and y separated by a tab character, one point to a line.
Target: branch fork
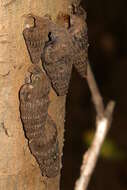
103	123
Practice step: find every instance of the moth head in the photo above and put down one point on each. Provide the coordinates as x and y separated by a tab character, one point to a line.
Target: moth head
77	21
63	20
25	92
36	78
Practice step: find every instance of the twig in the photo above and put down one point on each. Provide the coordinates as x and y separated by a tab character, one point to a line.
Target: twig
103	122
96	96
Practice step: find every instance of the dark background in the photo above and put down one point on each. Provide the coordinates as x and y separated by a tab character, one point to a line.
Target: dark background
107	32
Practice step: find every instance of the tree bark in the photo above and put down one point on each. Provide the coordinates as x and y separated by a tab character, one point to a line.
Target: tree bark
18	168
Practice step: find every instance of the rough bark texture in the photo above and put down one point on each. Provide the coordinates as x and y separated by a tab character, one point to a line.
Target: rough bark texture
18	168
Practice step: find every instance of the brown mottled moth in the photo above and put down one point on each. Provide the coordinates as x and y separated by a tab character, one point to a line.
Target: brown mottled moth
79	35
56	59
60	46
35	37
40	130
66	46
46	151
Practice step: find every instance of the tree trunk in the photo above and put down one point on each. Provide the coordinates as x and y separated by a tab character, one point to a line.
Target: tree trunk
18	168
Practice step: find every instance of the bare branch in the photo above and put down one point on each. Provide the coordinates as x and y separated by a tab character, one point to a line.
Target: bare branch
103	122
96	96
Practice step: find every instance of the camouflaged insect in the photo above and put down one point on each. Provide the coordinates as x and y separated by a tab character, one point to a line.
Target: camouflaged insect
66	47
79	35
59	46
40	130
34	102
35	37
46	150
56	60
